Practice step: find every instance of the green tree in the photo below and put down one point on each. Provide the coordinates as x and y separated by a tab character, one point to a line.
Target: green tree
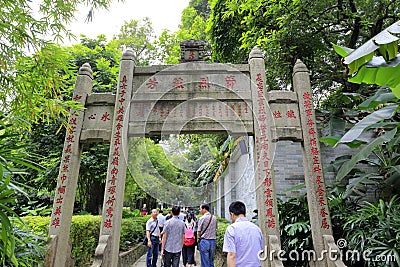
47	140
168	49
33	92
103	57
380	112
193	26
139	36
291	30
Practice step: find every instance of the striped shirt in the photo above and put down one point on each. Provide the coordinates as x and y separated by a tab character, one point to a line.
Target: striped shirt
211	232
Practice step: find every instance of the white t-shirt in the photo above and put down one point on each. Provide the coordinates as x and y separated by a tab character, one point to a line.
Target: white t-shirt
161	220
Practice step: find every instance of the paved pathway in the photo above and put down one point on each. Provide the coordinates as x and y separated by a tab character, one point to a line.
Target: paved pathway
142	261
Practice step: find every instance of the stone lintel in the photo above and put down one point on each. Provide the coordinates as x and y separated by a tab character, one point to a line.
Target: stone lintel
95	136
150	70
191	95
286	134
203	127
101	99
276	96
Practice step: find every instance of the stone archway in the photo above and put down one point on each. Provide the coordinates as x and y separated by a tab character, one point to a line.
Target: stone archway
191	97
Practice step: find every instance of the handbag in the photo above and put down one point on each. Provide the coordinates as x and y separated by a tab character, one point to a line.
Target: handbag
145	240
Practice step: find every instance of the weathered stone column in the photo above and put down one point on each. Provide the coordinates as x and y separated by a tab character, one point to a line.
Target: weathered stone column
107	250
59	251
321	226
263	161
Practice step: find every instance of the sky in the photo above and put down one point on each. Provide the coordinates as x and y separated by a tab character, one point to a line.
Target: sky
164	14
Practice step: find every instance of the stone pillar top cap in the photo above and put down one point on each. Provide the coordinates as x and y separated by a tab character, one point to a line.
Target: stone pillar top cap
299	67
86	70
255	53
192	43
128	54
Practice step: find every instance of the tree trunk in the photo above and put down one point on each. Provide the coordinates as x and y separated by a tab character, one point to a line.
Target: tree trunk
95	197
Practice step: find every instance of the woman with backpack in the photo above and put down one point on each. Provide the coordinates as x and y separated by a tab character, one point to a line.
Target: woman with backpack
190	242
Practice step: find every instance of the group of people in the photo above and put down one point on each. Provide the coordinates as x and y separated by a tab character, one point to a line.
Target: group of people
171	235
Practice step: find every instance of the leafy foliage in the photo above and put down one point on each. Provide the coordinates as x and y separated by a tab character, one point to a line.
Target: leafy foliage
41	87
214	167
29	247
291	30
295	230
349	221
32	89
384	147
14	162
193	26
380	152
85	233
363	66
383	242
103	58
139	36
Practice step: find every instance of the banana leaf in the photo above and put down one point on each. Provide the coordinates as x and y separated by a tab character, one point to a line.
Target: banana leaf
379	115
364	153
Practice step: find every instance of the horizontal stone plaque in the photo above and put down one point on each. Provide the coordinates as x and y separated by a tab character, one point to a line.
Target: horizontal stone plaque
193	109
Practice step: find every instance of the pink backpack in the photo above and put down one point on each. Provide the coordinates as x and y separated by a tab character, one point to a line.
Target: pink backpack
189	236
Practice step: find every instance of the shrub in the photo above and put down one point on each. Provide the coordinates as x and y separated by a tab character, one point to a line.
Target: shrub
132	231
28	247
295	227
375	227
85	230
222	225
84	235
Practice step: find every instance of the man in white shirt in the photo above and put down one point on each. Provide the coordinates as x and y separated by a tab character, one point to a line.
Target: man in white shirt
243	239
161	221
153	237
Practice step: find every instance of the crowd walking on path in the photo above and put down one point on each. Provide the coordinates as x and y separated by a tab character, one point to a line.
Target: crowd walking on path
177	236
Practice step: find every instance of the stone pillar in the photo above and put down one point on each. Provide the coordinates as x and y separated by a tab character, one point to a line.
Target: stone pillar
263	161
321	226
108	249
227	195
59	252
218	197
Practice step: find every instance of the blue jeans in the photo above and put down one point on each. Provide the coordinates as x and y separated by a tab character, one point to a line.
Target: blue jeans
152	253
207	249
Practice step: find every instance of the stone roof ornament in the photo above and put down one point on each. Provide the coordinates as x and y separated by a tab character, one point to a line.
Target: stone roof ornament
86	70
256	53
192	50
